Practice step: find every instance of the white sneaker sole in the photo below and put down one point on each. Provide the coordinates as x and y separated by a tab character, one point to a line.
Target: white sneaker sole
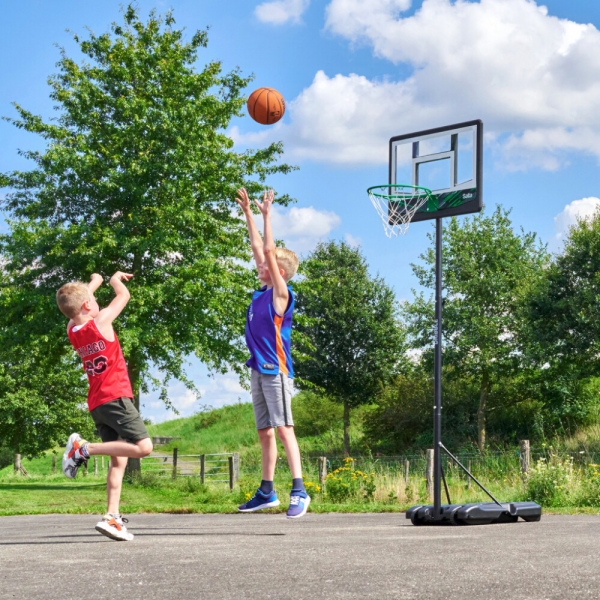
113	534
68	463
306	505
261	507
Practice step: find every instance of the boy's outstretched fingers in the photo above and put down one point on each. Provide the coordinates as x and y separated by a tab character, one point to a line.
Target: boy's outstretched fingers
243	199
123	276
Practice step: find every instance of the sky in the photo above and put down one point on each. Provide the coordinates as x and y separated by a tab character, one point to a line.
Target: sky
355	73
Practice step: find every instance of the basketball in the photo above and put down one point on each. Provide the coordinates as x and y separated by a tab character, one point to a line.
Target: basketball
266	106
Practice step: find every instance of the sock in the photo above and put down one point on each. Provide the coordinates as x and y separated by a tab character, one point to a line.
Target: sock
84	451
266	487
298	485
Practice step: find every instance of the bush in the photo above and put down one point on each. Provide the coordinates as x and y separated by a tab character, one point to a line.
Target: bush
589	491
345	484
6	457
551	481
315	414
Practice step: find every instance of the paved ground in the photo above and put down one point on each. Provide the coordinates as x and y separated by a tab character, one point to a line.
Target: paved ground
321	556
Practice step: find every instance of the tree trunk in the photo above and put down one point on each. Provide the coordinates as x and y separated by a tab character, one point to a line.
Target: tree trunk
483	393
134	464
346	428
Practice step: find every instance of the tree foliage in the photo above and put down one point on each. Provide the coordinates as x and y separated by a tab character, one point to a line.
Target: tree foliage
138	175
350	338
487	271
564	306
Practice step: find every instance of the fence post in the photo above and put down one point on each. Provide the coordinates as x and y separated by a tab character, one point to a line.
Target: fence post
54	464
429	474
236	467
174	463
231	472
202	467
322	469
95	467
17	462
406	471
468	478
102	462
525	457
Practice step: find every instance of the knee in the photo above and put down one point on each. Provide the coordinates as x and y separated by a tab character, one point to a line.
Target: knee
145	447
285	432
266	434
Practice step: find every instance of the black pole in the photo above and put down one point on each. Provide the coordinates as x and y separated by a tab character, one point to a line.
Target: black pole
437	403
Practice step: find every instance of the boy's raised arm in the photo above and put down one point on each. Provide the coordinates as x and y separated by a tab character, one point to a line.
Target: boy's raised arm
255	239
280	290
107	315
96	280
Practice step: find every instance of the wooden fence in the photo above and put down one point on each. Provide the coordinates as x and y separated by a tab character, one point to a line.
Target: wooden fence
210	468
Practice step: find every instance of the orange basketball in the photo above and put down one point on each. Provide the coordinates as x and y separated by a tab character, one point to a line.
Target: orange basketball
266	105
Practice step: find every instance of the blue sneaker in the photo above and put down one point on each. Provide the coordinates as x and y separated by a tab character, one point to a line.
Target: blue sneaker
260	501
299	502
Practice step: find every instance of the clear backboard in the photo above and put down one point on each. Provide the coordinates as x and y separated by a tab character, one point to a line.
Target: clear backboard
446	160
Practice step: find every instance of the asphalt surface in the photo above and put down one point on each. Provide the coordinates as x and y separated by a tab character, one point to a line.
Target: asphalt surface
320	556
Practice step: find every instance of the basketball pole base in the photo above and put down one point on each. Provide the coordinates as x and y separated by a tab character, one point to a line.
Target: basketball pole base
483	513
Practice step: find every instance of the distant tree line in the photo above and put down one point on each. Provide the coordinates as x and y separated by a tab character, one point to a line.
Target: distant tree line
521	354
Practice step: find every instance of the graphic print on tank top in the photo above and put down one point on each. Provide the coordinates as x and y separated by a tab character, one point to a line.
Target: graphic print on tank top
268	335
104	363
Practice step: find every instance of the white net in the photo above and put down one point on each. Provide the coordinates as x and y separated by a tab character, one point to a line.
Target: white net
397	205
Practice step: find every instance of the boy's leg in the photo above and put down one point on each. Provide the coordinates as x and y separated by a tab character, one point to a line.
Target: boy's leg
269	452
120	448
265	496
114	483
292	451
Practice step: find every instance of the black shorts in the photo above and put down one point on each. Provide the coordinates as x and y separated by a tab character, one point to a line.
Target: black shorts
119	420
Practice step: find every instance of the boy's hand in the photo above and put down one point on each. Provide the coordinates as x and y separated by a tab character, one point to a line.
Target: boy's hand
243	200
267	202
96	278
120	276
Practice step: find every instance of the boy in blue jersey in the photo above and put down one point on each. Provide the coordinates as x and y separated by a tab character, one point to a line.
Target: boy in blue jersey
268	331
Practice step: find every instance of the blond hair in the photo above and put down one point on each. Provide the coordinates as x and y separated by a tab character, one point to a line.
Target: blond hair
288	261
70	298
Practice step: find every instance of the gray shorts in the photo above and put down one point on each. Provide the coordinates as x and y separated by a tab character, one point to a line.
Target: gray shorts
271	399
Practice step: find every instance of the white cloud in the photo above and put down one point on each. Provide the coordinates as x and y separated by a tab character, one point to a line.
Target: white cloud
571	214
279	12
352	240
533	78
301	228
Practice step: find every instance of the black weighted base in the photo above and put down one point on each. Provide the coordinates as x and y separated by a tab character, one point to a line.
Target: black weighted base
484	513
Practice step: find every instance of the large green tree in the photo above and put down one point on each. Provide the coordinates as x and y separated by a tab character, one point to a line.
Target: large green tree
565	305
138	174
351	340
487	270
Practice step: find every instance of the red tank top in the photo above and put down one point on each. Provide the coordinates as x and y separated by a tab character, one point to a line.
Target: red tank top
104	364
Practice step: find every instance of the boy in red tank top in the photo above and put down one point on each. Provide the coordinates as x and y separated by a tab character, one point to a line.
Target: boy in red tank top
110	397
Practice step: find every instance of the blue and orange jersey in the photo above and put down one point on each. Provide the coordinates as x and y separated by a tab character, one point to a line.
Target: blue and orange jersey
268	335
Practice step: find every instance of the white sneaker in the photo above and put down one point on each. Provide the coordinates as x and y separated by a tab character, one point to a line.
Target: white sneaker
72	458
114	528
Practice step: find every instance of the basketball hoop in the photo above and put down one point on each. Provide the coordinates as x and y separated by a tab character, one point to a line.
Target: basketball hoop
397	204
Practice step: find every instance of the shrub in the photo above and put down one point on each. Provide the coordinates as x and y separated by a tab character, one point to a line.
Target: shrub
345	484
551	481
316	414
589	491
6	457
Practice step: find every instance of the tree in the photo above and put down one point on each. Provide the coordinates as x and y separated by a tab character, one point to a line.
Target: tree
487	269
350	339
564	306
138	175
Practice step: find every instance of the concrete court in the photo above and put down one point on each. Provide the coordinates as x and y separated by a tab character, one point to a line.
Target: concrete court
321	556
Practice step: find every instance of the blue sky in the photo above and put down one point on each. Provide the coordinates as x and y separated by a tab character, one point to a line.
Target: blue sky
355	73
